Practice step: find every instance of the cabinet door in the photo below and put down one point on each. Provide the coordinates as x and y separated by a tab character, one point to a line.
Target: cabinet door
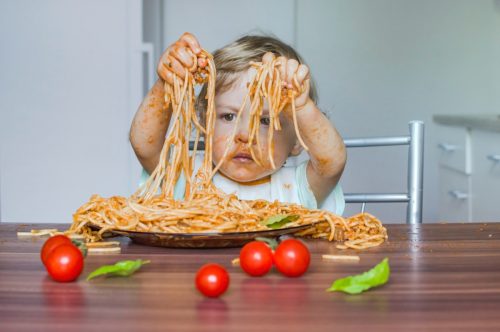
454	196
454	148
66	106
486	176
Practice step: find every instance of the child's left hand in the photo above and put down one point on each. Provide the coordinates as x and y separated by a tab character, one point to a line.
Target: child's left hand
290	68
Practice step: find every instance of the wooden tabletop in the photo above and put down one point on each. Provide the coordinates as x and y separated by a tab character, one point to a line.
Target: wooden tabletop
443	277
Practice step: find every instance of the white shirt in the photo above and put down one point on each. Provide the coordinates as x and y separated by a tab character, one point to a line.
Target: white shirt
288	185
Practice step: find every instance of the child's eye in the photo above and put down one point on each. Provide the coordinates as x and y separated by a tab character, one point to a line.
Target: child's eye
265	121
228	116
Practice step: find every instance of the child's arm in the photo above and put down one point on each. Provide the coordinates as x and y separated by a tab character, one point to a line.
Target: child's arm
150	124
326	147
326	150
147	133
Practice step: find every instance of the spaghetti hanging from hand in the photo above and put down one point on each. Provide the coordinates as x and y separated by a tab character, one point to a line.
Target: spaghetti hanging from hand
206	209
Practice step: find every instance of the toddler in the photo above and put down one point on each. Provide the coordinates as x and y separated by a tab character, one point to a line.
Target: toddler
313	184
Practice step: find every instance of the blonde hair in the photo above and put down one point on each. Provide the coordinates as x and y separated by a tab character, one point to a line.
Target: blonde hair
235	58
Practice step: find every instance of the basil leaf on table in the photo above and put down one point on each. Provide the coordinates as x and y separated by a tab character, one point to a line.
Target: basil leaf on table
122	269
356	284
279	220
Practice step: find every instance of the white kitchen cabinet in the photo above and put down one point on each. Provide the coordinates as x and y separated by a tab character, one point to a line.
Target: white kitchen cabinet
454	195
469	174
454	149
486	176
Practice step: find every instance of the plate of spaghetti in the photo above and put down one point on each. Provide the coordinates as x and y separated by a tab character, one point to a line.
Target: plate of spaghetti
200	240
207	216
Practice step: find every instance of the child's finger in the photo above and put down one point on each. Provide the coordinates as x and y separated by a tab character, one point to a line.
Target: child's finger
162	65
184	57
302	73
164	73
174	65
282	67
191	41
202	62
268	57
169	76
291	69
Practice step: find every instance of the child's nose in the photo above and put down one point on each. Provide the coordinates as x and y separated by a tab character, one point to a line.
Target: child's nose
241	135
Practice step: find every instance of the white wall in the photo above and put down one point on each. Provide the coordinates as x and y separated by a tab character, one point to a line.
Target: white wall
219	22
66	101
385	62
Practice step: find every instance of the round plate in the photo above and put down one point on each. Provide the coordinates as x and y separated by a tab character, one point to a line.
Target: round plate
200	240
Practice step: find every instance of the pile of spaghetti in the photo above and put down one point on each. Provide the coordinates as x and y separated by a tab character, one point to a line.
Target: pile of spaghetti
205	208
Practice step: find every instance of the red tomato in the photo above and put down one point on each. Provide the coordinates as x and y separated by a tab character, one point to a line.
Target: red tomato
212	280
292	258
65	263
256	258
52	243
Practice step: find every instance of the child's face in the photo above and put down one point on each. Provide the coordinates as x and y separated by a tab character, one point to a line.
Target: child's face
239	165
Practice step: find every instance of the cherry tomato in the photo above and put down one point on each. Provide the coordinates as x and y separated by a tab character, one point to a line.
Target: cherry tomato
65	263
212	280
256	258
292	258
52	243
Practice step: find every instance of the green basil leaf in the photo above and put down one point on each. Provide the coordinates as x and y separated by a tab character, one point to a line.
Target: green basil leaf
279	220
121	268
356	284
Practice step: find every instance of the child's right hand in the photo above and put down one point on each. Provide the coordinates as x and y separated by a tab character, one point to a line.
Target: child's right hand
181	56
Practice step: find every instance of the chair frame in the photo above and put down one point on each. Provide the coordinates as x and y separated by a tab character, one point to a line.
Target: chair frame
414	195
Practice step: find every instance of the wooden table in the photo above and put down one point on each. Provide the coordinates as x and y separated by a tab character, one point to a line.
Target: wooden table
444	277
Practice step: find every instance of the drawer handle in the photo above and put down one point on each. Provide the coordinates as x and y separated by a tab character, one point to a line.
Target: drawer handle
494	157
447	147
457	194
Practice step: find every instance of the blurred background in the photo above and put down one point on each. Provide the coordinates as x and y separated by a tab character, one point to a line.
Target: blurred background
73	72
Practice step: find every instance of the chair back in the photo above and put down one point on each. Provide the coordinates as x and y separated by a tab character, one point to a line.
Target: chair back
414	195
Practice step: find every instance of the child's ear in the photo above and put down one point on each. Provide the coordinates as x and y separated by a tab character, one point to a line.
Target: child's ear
297	149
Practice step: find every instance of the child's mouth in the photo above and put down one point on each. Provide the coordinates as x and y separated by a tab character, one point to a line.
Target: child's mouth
243	158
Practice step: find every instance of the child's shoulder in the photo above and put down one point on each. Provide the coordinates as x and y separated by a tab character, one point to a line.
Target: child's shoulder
289	168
